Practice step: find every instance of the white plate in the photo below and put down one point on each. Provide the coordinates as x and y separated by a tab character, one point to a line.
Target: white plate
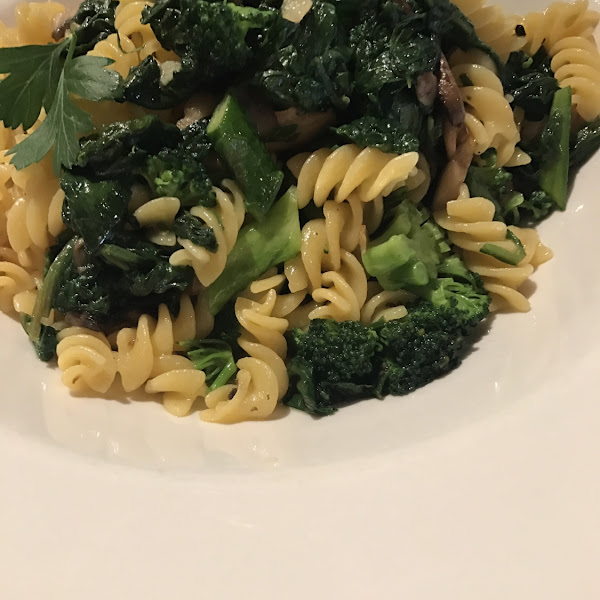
483	486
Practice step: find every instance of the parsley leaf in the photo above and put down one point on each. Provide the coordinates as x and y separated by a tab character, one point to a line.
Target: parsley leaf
45	77
34	74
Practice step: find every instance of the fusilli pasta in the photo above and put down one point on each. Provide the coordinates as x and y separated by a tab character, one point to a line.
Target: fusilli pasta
225	221
470	224
489	117
369	173
262	378
493	26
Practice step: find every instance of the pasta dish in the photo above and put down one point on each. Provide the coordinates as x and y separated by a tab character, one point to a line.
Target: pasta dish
237	204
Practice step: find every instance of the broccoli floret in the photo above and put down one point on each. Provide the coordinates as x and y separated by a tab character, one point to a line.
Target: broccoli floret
419	348
409	250
215	358
331	362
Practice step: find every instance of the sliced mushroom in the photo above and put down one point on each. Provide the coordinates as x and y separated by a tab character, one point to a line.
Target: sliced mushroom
450	94
427	88
198	107
61	23
307	126
455	172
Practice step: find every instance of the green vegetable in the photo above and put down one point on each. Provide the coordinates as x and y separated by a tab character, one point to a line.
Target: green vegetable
408	251
121	149
260	246
499	185
93	22
383	134
145	85
188	227
454	29
392	46
554	172
531	83
307	64
45	77
330	362
583	144
510	257
214	40
93	210
49	288
45	345
237	141
333	363
215	358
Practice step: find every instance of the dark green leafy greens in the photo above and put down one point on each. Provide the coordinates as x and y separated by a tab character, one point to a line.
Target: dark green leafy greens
214	41
93	22
531	83
385	135
307	64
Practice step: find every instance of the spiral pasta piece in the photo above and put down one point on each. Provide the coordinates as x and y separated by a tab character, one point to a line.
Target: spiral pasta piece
386	305
566	31
86	359
493	26
489	117
133	41
262	378
560	20
35	22
226	221
369	173
139	348
470	224
576	63
121	51
14	280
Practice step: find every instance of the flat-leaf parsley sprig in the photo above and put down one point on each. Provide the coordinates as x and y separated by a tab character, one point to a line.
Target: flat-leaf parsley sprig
44	77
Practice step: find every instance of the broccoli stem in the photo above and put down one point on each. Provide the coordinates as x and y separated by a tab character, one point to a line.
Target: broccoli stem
260	246
236	140
48	289
554	174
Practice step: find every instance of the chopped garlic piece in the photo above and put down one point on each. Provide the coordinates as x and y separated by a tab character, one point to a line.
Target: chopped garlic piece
295	10
167	70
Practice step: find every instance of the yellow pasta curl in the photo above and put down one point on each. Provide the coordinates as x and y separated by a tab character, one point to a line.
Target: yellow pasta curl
262	379
14	279
566	31
493	26
86	359
560	20
489	117
225	220
369	173
470	224
576	63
